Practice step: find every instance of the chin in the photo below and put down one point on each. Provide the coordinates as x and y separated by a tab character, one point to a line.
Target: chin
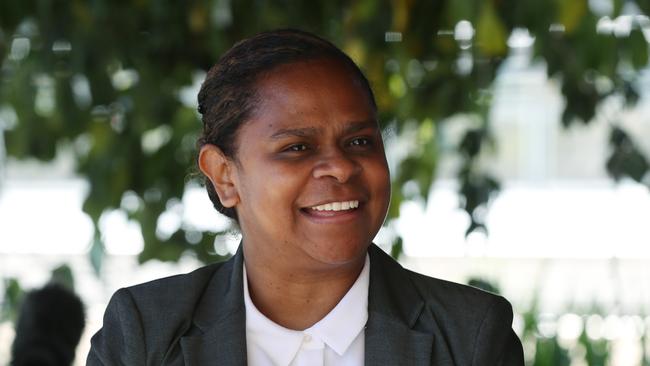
340	253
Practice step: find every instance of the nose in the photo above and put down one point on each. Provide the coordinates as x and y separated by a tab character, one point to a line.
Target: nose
336	165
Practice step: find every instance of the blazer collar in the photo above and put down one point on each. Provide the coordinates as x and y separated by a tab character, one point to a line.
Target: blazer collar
394	309
219	333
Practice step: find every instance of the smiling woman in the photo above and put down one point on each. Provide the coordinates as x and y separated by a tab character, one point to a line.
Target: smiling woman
291	150
311	151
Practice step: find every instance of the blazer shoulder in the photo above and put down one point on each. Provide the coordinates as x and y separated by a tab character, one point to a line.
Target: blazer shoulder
166	289
143	322
172	298
452	295
476	324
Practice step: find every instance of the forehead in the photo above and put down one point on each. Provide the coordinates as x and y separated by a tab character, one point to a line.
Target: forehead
318	68
321	92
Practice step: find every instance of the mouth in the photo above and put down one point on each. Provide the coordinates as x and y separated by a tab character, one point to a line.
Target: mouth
332	209
336	206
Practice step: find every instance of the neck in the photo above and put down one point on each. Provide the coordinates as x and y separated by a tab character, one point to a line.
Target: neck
294	297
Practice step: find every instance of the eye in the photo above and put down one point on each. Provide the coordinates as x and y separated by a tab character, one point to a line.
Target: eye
360	142
297	148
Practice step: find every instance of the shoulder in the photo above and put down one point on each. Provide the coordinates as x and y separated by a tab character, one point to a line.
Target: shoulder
172	290
471	326
476	325
173	298
444	299
142	321
458	299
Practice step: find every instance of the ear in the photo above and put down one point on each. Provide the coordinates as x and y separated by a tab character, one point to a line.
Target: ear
219	169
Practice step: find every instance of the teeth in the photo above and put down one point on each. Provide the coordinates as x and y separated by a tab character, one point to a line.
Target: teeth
337	206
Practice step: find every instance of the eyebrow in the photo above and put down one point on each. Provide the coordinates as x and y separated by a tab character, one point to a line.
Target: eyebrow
351	127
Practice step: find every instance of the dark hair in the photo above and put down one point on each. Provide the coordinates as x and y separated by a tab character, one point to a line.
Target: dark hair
228	95
49	327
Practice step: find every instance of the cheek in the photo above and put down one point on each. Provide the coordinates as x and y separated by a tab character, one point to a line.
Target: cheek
381	187
379	177
275	187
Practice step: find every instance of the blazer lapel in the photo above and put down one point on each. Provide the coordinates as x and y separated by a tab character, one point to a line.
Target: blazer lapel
394	308
218	336
224	346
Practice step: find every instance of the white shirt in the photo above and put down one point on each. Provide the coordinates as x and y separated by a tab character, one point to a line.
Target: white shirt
337	339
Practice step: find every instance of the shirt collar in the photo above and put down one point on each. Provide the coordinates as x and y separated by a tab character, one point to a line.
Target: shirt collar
338	329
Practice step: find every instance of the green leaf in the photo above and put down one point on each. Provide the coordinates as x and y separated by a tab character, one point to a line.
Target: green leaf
491	34
97	253
460	10
63	275
571	13
397	248
396	199
638	49
12	299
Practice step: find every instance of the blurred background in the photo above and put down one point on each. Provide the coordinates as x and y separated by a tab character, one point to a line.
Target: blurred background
517	135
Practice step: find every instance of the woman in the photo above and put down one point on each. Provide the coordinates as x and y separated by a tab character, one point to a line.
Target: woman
292	151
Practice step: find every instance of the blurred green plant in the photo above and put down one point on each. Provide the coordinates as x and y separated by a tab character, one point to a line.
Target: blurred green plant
115	82
13	293
62	275
544	344
11	299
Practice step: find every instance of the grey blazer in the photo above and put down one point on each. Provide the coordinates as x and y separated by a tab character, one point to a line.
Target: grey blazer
199	319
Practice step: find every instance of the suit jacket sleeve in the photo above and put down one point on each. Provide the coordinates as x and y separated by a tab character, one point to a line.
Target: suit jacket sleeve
121	339
497	343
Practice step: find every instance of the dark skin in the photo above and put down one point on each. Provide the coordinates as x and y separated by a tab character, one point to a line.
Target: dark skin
311	187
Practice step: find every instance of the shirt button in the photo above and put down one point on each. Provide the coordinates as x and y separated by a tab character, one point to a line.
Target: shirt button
307	338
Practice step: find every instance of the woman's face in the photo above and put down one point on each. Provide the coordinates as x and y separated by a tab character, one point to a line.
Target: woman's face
311	172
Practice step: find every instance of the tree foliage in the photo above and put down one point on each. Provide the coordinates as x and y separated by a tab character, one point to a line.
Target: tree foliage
111	78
